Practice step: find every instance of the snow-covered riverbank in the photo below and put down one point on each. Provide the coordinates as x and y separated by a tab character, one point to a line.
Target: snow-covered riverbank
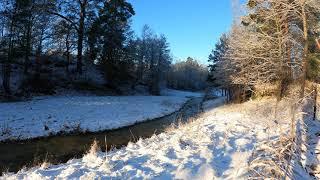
218	144
50	115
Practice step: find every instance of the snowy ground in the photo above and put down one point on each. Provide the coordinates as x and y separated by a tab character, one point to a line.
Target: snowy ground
218	145
46	116
177	93
312	159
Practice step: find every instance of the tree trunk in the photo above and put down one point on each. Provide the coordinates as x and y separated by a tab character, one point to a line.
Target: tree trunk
140	68
244	94
81	36
67	53
27	49
315	102
38	63
281	55
318	43
140	64
79	56
152	69
157	75
289	46
6	67
38	55
306	51
68	62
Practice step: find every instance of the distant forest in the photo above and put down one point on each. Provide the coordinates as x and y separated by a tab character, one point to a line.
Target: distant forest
86	44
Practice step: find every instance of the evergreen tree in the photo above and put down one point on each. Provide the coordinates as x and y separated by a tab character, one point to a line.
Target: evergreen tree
112	30
216	55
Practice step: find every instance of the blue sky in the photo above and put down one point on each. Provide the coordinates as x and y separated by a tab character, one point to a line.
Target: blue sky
192	27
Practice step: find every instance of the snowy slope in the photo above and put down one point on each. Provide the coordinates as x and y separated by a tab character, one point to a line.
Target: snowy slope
217	145
50	115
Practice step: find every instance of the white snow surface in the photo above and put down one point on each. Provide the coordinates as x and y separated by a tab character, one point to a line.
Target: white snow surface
215	146
178	93
45	116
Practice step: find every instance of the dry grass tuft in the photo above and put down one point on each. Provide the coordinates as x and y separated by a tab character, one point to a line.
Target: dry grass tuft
265	90
94	148
45	165
277	158
272	160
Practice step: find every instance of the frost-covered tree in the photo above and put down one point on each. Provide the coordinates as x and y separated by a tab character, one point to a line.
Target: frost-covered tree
152	59
270	45
188	75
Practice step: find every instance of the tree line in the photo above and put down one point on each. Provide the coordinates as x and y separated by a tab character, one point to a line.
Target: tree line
82	33
275	42
188	75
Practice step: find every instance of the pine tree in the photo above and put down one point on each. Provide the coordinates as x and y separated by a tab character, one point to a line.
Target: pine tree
216	55
113	25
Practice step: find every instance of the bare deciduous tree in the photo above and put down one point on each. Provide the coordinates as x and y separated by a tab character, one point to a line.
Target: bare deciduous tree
271	45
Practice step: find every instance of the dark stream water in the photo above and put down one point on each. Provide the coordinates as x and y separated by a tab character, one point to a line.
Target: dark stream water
59	149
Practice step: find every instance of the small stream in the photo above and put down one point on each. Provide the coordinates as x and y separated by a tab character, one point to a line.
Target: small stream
59	149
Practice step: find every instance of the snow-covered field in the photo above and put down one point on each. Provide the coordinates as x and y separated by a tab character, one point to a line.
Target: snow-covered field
218	145
46	116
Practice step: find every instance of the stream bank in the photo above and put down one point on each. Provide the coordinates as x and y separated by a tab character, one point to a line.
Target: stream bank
59	149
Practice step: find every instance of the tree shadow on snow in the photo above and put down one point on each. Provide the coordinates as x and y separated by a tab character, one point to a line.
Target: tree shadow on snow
223	154
311	126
